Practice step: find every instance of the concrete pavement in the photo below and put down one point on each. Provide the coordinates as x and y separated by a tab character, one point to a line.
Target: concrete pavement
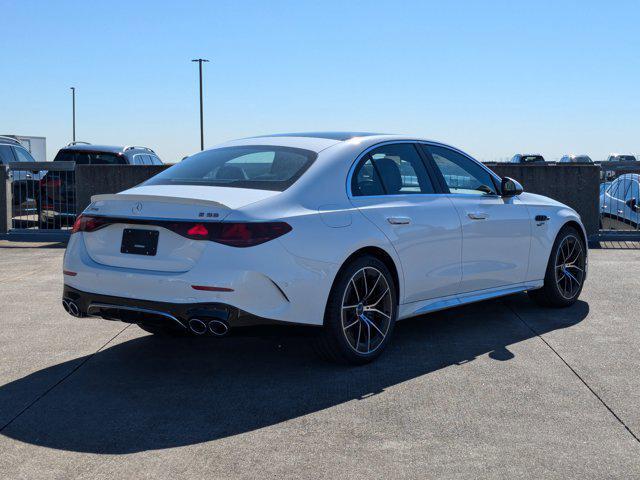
500	389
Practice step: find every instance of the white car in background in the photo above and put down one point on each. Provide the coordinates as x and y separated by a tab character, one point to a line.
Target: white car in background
619	208
347	232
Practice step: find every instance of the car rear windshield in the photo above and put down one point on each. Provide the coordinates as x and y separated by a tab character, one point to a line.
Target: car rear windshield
89	158
627	158
252	166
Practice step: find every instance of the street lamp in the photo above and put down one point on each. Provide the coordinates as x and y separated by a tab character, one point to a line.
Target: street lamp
200	60
73	110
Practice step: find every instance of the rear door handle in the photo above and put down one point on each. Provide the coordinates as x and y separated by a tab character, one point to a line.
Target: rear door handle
477	215
399	220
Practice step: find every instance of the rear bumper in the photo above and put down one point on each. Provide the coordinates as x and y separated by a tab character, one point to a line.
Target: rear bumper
265	281
173	316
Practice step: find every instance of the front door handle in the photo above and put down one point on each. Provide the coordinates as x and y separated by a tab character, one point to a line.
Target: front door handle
399	220
478	215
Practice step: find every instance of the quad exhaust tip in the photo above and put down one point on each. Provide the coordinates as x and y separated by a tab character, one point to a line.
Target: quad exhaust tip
197	326
215	327
71	307
218	328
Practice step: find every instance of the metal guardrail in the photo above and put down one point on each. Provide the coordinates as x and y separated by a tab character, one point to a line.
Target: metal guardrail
42	197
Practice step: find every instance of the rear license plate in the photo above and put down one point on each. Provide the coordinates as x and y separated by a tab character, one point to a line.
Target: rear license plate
139	242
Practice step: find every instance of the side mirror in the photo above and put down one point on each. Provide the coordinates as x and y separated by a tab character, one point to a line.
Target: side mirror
510	187
632	204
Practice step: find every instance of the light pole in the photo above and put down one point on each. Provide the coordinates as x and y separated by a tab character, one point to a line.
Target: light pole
73	110
200	60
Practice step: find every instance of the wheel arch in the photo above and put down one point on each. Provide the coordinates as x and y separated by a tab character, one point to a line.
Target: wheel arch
381	255
579	228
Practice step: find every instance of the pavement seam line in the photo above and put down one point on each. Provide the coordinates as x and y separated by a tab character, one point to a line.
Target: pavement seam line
637	439
77	367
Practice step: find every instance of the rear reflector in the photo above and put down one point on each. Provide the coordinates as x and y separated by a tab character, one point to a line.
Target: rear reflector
233	234
211	289
69	273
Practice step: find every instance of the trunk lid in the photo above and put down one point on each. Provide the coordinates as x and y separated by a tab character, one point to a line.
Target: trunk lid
180	203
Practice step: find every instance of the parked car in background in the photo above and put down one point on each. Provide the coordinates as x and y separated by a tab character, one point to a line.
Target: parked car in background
619	207
24	183
86	154
58	188
527	158
347	232
617	157
576	159
36	146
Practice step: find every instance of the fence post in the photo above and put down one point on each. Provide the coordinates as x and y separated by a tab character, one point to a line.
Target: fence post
5	200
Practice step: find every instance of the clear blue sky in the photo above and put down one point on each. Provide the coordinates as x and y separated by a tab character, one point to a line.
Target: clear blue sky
491	77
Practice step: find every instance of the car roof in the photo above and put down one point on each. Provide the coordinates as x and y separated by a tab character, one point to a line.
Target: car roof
315	142
10	141
340	136
95	148
628	176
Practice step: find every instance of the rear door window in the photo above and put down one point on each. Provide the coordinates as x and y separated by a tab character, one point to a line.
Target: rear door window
6	155
395	169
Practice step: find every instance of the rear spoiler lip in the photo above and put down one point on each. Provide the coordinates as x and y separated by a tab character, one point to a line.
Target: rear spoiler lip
127	197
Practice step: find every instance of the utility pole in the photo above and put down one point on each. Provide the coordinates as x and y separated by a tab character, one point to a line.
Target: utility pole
73	100
200	60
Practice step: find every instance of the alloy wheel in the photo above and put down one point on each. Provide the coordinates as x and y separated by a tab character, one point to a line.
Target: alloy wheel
569	266
367	310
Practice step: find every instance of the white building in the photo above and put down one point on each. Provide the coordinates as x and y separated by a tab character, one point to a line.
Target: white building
37	146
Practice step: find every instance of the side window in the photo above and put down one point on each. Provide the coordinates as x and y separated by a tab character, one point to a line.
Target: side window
632	191
395	169
366	181
461	174
22	155
137	159
6	155
155	160
616	189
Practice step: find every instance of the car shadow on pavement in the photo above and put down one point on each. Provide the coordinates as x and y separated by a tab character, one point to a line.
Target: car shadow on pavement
153	393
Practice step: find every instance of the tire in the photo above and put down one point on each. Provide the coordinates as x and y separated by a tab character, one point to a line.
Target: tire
563	279
162	332
348	338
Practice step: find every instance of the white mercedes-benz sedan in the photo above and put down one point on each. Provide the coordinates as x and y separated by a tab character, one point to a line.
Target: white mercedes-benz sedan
348	232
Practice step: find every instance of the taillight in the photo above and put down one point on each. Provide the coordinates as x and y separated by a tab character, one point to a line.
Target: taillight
198	230
248	234
234	234
87	223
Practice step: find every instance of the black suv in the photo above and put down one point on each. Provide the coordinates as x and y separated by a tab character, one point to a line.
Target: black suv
86	154
57	188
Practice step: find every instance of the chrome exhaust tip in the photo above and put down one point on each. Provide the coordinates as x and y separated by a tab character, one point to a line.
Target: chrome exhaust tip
71	307
197	326
218	328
